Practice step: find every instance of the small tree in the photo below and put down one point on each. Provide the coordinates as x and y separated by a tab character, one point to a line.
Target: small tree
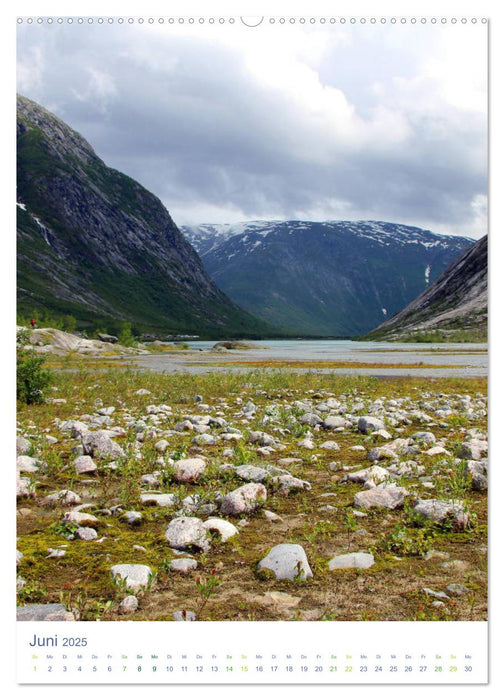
32	379
126	336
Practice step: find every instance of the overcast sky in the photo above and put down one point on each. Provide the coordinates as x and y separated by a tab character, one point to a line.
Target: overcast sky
319	122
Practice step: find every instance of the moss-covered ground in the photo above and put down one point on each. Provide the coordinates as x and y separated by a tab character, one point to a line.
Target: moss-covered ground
321	520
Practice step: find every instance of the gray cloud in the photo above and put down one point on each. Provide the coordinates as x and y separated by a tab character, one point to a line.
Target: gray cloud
321	123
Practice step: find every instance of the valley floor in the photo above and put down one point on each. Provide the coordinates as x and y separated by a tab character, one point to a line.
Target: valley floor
188	482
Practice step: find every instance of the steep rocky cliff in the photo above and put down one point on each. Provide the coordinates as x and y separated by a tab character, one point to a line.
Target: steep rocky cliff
94	243
457	302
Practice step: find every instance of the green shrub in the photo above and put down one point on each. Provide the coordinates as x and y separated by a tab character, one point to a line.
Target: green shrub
32	379
126	336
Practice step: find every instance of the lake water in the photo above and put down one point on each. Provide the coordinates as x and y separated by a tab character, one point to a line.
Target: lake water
464	359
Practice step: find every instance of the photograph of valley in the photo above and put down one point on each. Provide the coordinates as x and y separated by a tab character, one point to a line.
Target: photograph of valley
252	318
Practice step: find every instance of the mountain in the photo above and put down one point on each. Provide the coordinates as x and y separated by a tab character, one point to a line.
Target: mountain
332	278
456	304
93	243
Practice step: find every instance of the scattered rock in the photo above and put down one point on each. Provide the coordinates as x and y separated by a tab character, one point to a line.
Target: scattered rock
84	465
48	612
188	470
86	533
99	444
27	464
187	533
391	497
23	446
128	605
183	565
135	576
132	517
440	511
158	499
286	561
352	560
245	499
225	529
368	424
184	616
62	498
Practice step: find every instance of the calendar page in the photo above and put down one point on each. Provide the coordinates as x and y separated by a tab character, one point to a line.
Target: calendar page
252	347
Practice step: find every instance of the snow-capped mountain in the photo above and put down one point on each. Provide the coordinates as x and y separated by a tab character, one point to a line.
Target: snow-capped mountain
338	278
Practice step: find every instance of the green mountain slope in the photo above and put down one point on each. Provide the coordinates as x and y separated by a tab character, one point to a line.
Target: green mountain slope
93	243
339	278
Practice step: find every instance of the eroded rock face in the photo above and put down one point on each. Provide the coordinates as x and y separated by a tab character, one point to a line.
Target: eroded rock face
286	561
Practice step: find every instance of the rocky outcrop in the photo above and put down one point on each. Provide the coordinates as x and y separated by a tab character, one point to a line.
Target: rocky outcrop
457	300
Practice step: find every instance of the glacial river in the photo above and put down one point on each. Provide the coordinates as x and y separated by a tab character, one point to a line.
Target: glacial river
449	359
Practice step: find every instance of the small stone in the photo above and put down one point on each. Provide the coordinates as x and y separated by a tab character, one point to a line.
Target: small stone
80	518
391	498
50	612
457	589
55	553
161	446
204	439
187	533
286	561
23	446
330	445
311	419
135	576
188	470
99	444
226	530
62	498
27	464
84	465
24	487
440	511
425	437
367	424
353	560
132	517
184	616
272	517
245	499
334	422
183	565
159	499
86	533
128	605
376	473
435	594
435	554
